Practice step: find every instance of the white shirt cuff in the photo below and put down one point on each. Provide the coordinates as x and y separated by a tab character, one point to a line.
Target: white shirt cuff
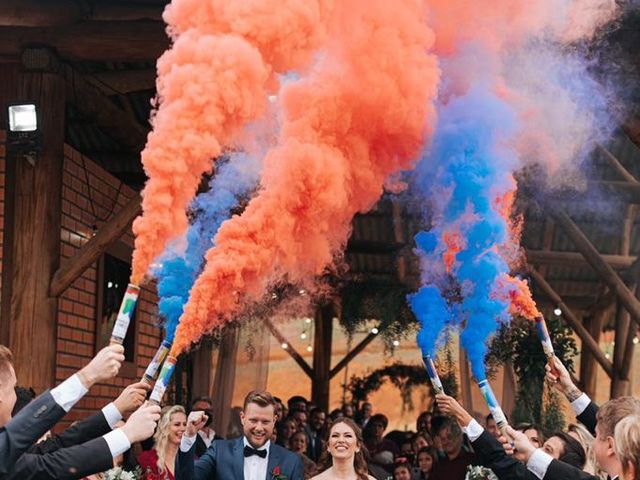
539	463
187	442
112	415
69	392
117	441
473	430
580	404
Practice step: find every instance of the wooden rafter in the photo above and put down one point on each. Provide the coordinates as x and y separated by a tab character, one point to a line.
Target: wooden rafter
123	81
96	246
352	354
290	350
587	340
576	259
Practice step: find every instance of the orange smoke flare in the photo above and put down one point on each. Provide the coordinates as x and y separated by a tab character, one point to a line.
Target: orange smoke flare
454	243
212	82
521	301
360	115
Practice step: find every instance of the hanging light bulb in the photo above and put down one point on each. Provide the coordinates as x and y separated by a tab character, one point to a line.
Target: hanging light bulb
303	335
309	348
375	331
307	320
557	312
396	343
285	345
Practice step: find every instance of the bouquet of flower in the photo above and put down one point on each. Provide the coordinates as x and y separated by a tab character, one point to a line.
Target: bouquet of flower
477	472
117	473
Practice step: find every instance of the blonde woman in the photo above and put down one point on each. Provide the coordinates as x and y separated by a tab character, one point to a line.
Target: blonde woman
627	443
159	462
582	435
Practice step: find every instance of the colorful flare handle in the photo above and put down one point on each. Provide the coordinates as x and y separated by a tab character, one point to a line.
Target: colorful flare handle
152	370
125	313
164	378
545	340
433	374
494	406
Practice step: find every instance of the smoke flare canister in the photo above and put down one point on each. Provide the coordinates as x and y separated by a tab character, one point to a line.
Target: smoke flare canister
494	406
152	369
164	378
545	340
433	374
127	307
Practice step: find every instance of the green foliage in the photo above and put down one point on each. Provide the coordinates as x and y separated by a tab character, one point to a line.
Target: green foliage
518	344
404	377
384	301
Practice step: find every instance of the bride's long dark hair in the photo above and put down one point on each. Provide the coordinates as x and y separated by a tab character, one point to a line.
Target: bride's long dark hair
359	462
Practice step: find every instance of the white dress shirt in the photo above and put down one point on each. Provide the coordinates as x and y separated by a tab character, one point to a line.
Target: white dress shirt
255	467
69	392
207	439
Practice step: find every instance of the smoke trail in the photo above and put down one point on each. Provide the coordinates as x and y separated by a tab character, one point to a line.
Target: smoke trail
359	115
213	80
232	182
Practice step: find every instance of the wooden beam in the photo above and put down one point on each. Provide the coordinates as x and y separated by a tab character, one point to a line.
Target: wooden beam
35	251
617	165
588	371
290	350
225	378
96	246
116	122
632	128
587	340
630	190
100	41
575	259
352	354
123	81
547	241
322	340
47	13
593	257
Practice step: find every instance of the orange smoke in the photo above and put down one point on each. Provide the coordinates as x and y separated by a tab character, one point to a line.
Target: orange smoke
454	243
517	292
360	115
211	83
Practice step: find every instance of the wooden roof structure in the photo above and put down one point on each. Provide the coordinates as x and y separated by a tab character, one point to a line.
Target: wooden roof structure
103	53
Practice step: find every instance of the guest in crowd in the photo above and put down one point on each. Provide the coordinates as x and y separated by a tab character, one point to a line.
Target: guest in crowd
374	436
582	435
299	445
426	459
300	417
491	426
159	462
347	411
627	441
207	434
423	423
533	433
335	414
364	414
421	440
297	403
281	410
344	457
316	431
456	460
402	469
286	429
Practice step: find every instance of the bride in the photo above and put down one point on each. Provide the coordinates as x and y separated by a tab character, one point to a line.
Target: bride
344	458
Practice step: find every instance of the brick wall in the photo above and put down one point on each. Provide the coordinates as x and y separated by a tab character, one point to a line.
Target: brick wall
88	199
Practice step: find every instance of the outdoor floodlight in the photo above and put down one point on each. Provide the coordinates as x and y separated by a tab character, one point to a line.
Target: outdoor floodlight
24	138
23	118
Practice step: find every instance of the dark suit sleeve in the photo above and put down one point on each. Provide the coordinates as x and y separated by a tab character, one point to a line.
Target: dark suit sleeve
187	468
93	427
563	471
64	464
26	428
490	454
588	418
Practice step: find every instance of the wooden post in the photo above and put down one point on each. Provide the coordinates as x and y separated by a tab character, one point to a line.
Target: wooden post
28	311
465	381
321	378
588	372
225	378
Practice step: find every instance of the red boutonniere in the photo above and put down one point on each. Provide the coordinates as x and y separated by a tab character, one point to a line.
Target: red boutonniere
277	475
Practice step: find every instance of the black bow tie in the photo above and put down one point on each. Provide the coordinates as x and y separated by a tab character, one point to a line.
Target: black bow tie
248	451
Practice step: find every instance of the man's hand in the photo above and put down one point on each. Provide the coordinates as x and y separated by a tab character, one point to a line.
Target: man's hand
142	423
519	443
131	398
562	380
449	406
104	366
195	422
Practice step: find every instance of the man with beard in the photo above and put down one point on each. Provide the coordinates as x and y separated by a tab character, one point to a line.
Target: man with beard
250	457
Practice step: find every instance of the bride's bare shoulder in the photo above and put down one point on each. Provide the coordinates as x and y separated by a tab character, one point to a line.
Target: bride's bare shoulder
322	476
371	478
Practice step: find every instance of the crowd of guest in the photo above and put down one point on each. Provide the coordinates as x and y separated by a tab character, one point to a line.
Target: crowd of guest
129	435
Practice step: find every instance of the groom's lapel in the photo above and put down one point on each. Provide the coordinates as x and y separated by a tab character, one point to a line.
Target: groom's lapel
274	460
238	459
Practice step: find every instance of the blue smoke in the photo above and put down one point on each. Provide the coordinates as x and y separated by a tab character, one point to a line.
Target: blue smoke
233	181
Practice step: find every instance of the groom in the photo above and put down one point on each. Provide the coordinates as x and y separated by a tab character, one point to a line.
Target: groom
251	457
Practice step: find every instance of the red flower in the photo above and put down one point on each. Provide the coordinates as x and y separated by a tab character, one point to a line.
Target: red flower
276	470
